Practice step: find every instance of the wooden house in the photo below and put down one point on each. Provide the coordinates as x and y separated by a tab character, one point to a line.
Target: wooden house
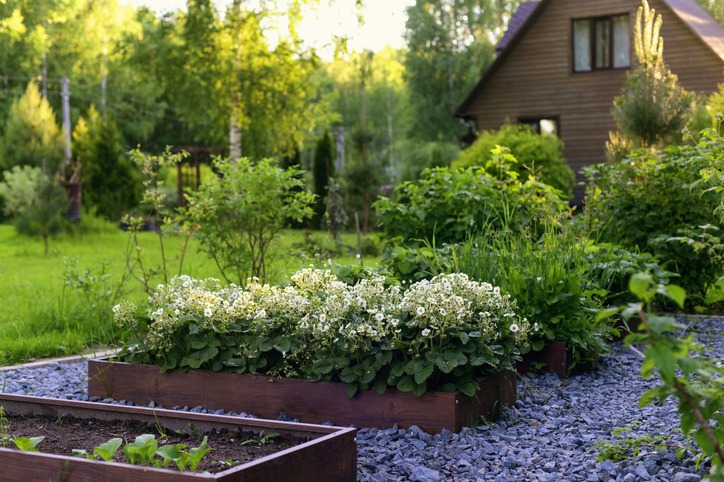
561	63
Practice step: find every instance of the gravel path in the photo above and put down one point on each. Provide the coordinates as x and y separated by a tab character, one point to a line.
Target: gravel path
549	435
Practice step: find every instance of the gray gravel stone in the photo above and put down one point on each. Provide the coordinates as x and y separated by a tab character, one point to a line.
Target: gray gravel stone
548	435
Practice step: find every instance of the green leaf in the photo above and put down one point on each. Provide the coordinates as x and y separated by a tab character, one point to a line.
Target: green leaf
676	293
406	384
107	449
27	444
171	452
422	371
663	358
639	285
198	358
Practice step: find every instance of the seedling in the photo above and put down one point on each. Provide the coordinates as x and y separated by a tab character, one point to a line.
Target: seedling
261	439
104	451
28	444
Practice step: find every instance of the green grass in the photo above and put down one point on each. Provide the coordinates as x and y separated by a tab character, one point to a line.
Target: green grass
42	316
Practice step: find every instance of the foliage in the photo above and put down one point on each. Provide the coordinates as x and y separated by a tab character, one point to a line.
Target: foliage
415	155
646	203
240	215
335	217
715	8
695	380
627	446
539	154
651	108
35	201
548	277
31	137
4	428
28	444
449	44
157	215
104	451
710	159
437	335
611	266
111	185
323	171
144	450
446	204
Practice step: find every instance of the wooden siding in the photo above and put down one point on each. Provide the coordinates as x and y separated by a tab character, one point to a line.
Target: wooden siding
536	78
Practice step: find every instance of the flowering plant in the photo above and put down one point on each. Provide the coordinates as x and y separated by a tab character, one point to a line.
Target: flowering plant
439	334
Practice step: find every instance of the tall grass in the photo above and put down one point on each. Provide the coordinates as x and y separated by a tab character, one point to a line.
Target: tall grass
60	304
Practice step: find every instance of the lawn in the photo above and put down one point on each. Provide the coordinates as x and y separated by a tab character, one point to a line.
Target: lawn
59	304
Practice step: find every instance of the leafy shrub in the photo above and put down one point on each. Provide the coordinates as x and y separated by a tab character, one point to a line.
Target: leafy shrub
547	277
35	201
242	213
543	154
446	204
440	334
646	203
611	266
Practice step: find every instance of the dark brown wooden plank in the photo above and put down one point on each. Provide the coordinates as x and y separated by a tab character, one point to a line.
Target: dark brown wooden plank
312	402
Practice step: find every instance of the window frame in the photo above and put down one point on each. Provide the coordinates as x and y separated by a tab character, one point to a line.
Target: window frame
593	22
535	123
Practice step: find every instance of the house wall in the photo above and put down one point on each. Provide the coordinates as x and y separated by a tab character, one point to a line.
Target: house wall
536	78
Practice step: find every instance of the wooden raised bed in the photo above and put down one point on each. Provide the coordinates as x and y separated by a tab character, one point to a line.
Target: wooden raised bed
310	402
552	358
331	456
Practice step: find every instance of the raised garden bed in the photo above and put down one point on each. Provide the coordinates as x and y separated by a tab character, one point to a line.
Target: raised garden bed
553	358
310	402
319	452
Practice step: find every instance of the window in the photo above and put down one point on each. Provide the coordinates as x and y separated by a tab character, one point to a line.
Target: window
601	43
545	126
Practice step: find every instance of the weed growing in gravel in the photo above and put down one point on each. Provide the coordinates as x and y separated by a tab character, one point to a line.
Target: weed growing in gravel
625	445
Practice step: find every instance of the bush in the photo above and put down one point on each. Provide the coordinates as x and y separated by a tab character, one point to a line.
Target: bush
540	153
440	335
241	214
548	277
647	203
446	204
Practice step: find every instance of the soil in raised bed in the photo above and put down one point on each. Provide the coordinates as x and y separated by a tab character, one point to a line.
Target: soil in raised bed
229	448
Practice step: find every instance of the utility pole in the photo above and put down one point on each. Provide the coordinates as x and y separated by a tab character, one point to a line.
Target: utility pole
65	96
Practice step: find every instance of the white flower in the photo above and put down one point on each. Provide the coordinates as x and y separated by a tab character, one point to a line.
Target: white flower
514	328
443	312
535	326
539	279
394	322
116	308
322	317
379	316
420	311
426	332
208	313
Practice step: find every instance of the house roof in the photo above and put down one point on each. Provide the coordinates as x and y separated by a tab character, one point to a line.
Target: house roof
694	17
516	21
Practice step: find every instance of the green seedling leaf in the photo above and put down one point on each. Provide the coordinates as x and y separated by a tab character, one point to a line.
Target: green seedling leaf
28	444
639	285
81	453
198	453
108	449
142	451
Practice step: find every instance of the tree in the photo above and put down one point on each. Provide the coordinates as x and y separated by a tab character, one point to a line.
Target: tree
323	170
32	138
652	107
110	182
35	201
450	43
